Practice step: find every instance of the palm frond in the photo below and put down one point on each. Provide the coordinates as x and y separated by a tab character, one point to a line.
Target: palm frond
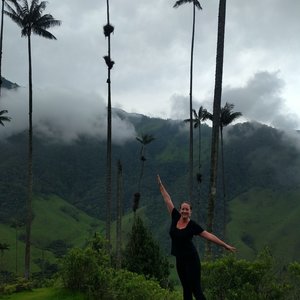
145	139
227	116
18	8
33	7
15	18
24	5
195	113
3	112
31	19
4	118
139	139
44	33
181	2
46	21
197	4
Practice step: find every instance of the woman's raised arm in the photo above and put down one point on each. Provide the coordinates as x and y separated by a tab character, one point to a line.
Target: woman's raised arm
165	195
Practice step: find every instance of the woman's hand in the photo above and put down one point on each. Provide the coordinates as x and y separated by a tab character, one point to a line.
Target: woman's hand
158	180
230	248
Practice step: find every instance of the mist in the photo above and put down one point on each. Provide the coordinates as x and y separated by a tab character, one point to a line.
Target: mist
259	100
62	115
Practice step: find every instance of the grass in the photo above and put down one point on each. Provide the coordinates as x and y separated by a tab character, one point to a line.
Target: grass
261	218
45	294
54	219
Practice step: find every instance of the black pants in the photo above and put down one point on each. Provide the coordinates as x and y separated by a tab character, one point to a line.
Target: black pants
189	272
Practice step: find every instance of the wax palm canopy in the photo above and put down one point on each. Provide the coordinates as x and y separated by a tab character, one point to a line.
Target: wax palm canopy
31	19
227	115
4	118
180	2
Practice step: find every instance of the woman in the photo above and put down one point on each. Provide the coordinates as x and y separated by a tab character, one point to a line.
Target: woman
187	260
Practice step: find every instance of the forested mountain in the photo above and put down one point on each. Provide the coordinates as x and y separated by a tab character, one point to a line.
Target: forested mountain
262	165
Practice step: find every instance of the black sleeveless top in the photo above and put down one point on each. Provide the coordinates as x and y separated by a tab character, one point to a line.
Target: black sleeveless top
182	244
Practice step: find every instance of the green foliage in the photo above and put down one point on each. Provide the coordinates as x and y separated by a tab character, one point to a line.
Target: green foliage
131	286
142	254
19	285
230	278
262	176
294	269
294	279
46	294
81	267
88	270
58	247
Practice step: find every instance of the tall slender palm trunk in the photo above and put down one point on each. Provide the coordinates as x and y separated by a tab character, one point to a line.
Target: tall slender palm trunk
199	174
223	184
142	168
119	215
30	151
16	256
216	120
191	152
109	147
1	43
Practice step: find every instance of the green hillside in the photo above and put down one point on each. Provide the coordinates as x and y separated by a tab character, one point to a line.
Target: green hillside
262	217
57	225
262	168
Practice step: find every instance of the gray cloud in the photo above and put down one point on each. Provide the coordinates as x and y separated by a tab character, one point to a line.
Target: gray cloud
63	115
151	46
261	99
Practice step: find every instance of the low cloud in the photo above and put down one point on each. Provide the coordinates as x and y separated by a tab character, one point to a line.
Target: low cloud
62	115
261	99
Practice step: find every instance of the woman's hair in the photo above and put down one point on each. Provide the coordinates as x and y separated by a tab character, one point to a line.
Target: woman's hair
188	203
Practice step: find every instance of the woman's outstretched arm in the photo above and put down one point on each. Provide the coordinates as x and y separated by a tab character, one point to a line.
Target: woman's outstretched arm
211	237
165	195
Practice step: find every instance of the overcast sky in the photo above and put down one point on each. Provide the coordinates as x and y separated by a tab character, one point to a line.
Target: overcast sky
151	50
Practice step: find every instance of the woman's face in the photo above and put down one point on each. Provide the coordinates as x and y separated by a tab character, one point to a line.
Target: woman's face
185	210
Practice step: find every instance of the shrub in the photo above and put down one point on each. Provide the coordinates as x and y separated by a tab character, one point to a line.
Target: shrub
88	270
19	285
132	286
230	278
294	280
142	254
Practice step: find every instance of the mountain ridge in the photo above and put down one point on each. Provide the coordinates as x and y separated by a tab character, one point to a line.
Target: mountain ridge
257	157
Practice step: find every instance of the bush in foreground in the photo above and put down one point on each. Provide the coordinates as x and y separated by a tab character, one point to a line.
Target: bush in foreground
228	278
88	270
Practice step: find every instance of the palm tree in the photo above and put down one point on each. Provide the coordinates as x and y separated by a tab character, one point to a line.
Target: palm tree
1	41
199	117
216	120
196	4
3	247
119	215
32	21
17	224
145	139
108	29
4	118
227	117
